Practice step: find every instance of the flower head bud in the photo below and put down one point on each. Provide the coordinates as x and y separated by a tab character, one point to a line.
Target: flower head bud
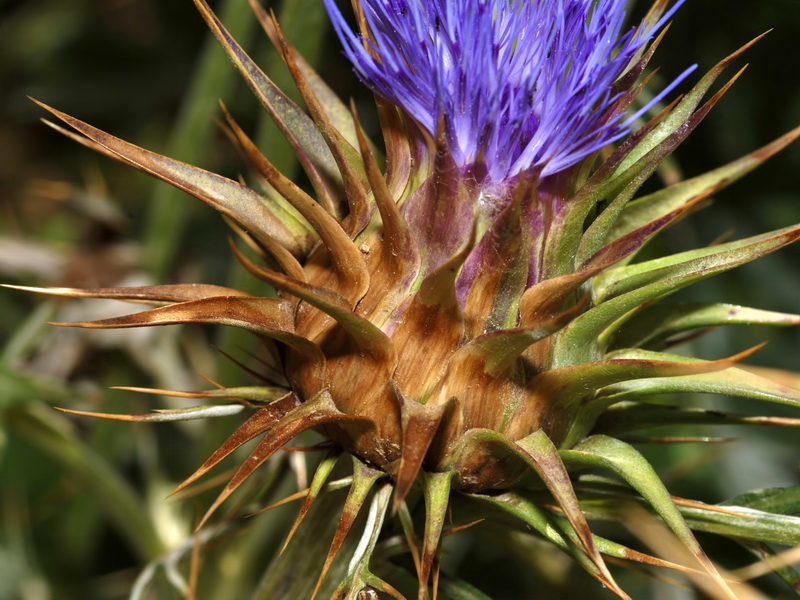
469	319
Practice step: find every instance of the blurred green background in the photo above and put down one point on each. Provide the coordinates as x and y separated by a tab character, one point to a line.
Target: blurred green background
82	502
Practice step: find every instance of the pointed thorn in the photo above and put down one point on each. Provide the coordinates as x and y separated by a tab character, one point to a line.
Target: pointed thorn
363	479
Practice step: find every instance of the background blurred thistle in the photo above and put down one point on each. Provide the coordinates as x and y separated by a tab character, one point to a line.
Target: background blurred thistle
428	349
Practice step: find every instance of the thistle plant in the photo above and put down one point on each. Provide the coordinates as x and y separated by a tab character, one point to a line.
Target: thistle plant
460	309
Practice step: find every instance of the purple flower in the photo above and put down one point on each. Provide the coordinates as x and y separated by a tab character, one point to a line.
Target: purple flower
517	84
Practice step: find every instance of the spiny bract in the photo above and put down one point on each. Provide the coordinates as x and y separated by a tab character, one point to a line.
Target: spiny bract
469	319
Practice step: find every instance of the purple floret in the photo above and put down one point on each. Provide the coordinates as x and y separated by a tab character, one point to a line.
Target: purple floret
527	84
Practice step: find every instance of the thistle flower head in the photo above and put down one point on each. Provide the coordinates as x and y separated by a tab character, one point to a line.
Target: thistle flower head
471	320
517	85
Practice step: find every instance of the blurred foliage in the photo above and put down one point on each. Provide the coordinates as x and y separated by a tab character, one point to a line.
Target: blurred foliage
82	505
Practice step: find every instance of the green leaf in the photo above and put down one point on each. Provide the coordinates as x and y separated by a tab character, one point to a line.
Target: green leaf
749	524
436	488
621	190
539	452
682	112
626	170
624	289
732	382
653	206
624	460
655	323
784	501
571	385
691	265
